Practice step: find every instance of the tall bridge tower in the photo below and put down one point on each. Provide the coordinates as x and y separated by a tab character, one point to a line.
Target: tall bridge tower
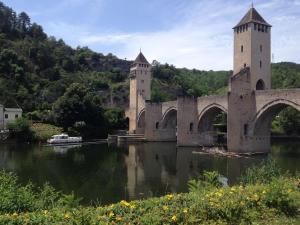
140	91
251	72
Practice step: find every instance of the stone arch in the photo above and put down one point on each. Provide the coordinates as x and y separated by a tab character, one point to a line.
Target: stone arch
169	119
141	122
263	118
206	120
260	85
207	115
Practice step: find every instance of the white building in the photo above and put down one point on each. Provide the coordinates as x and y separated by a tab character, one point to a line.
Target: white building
8	115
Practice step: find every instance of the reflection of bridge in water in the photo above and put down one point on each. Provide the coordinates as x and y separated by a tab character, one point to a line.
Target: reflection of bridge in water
155	168
250	104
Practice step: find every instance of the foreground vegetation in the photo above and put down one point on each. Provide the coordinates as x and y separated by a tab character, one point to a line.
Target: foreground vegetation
273	199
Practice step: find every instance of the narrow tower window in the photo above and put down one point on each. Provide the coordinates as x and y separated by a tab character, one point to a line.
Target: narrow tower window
245	129
255	26
191	127
242	48
260	64
260	47
157	125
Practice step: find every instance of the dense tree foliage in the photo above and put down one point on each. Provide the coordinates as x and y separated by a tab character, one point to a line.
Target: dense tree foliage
42	75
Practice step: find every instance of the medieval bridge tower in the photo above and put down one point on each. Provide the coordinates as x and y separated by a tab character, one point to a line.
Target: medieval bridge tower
140	91
250	103
251	72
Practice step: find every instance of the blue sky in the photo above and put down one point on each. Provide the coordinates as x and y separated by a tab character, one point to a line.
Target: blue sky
186	33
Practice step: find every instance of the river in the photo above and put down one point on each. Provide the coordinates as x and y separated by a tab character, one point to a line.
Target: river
103	174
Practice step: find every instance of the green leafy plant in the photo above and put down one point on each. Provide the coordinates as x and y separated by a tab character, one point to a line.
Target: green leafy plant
264	172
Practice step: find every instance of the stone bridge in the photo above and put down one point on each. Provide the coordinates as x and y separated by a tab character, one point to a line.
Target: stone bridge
190	121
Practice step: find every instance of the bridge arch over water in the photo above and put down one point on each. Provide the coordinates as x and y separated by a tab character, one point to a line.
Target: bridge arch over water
208	115
169	119
263	118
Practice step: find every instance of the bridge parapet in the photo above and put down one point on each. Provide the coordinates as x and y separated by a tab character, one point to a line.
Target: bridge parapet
214	100
166	106
267	98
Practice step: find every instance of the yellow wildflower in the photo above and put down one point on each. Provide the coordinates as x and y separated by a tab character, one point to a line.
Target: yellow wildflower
67	216
165	207
185	210
111	214
174	218
169	197
15	214
119	218
220	194
45	212
132	206
125	203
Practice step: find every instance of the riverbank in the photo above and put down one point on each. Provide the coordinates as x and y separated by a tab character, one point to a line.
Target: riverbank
276	202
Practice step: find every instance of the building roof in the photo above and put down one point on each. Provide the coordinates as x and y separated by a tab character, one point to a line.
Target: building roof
141	59
13	110
252	16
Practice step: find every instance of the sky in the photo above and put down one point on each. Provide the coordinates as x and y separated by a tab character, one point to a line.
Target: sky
186	33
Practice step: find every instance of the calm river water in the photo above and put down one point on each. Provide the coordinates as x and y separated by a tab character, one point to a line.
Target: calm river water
104	174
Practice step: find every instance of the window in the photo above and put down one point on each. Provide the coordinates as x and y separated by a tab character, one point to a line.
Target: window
245	129
191	127
143	91
142	81
245	65
260	85
6	116
260	47
16	116
255	26
157	125
260	64
242	48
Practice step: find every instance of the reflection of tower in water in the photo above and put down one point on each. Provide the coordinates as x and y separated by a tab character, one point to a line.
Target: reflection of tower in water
151	169
135	173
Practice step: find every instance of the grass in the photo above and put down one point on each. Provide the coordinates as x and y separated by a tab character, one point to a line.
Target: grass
42	131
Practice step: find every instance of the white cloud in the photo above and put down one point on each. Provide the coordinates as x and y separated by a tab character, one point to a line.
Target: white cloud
202	38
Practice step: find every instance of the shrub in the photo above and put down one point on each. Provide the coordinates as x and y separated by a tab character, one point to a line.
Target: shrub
20	129
261	173
208	179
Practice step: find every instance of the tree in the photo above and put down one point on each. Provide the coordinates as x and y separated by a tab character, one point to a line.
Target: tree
78	105
36	31
23	22
11	65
